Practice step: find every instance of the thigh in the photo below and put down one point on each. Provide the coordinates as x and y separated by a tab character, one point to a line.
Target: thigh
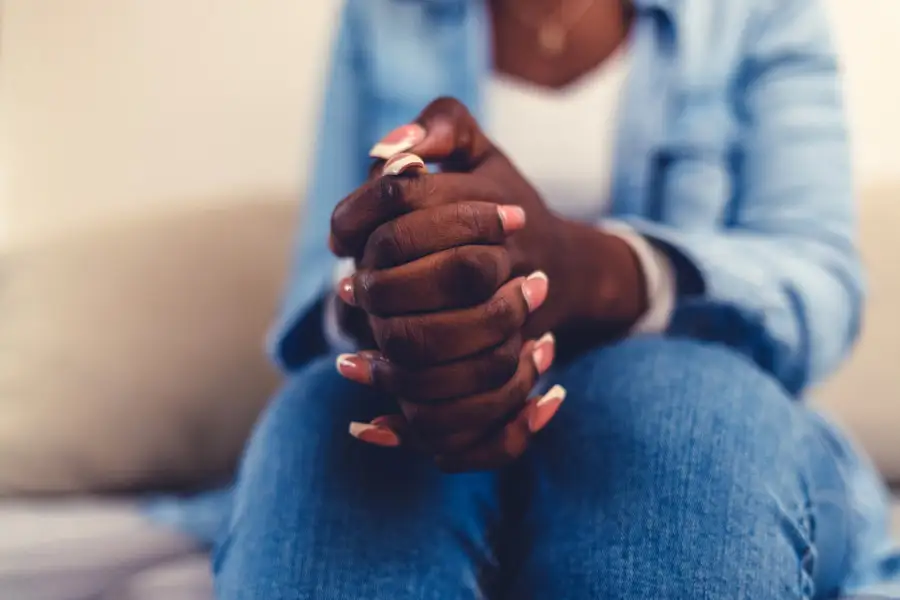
318	514
679	469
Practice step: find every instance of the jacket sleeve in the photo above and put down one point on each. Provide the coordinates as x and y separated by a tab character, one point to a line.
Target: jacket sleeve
782	282
339	166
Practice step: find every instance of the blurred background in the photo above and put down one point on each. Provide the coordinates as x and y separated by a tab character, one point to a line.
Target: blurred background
153	154
134	105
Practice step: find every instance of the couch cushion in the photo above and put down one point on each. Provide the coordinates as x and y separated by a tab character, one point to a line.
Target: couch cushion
78	549
865	394
131	353
187	578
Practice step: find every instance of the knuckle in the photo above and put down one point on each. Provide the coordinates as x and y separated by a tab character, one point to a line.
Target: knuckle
519	389
500	313
366	290
449	105
470	217
386	245
342	225
476	272
503	364
402	340
391	192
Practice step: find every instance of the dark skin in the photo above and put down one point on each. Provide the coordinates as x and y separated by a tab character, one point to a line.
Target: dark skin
591	40
442	288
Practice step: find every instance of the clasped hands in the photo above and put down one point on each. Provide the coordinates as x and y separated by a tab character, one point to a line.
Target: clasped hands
460	277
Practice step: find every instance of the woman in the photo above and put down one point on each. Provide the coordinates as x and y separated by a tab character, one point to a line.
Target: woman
642	208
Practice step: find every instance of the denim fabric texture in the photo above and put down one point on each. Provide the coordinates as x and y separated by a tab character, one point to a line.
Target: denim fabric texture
675	469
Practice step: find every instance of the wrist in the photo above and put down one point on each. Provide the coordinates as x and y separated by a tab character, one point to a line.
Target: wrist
601	280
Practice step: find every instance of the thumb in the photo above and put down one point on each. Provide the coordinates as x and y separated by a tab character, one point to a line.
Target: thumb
444	133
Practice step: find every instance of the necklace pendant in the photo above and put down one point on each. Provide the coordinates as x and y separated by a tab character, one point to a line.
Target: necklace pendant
553	38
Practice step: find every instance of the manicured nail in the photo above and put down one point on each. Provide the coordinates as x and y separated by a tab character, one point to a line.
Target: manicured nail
346	292
544	352
399	140
535	288
512	217
374	434
382	421
402	163
354	367
545	408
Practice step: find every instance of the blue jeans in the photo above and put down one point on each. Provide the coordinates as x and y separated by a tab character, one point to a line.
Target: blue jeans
673	470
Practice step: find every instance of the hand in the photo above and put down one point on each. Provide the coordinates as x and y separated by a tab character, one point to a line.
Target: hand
431	245
598	286
475	430
472	413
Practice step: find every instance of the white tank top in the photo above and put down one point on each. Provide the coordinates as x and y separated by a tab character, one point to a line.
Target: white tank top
573	163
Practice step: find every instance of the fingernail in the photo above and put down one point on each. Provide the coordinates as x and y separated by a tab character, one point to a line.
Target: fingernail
354	367
545	408
544	352
402	163
535	290
399	140
346	292
374	434
512	217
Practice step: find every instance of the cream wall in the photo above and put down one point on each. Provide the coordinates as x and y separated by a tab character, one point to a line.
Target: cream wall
112	106
868	33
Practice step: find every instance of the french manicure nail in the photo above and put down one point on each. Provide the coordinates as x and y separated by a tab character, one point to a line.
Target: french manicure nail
545	408
346	292
544	353
374	434
399	140
354	367
402	163
535	289
512	217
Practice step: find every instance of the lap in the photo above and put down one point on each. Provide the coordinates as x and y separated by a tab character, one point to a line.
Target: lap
653	421
688	436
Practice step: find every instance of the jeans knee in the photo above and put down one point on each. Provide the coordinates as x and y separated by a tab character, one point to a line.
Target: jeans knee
669	403
313	408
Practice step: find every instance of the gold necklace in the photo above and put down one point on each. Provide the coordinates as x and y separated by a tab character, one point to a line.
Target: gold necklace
553	33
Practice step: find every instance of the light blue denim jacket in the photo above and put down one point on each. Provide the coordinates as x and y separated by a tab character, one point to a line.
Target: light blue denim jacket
732	155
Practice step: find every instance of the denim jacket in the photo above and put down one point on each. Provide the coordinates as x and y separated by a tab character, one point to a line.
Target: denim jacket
732	155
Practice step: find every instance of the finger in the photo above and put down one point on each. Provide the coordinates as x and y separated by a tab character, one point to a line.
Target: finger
386	198
452	138
382	431
510	443
451	279
399	140
424	232
482	374
435	338
442	382
485	372
454	426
